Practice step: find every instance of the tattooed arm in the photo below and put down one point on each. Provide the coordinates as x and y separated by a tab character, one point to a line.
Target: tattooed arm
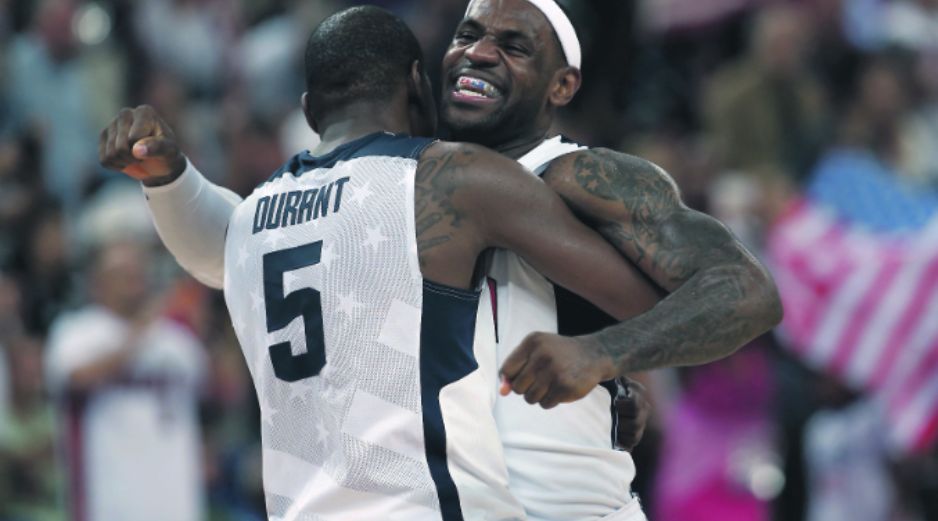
468	199
721	296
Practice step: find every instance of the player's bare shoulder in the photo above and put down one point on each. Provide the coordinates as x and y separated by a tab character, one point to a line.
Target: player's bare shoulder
443	182
629	186
450	165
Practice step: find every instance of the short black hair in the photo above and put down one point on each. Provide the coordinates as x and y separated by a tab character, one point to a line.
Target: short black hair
359	54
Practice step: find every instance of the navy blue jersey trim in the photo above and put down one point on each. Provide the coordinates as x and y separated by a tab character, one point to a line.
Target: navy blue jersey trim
446	335
443	289
576	316
613	387
377	144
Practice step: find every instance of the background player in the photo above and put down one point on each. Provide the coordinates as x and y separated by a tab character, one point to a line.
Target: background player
348	290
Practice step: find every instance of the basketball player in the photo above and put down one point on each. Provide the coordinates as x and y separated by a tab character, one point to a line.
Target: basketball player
510	66
349	277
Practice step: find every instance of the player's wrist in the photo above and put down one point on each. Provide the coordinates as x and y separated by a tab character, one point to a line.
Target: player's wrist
177	167
605	362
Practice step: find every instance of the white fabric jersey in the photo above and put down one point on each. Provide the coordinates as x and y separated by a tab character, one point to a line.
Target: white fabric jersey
561	462
372	402
132	446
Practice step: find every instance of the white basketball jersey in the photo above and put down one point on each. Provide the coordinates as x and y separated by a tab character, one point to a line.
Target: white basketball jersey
372	402
561	462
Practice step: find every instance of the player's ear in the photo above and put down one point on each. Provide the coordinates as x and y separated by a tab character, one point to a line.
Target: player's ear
566	83
420	98
415	86
308	113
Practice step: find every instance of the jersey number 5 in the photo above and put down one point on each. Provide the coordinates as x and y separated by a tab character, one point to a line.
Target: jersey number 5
282	309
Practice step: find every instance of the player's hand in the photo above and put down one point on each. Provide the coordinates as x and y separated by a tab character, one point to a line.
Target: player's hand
551	369
140	144
633	409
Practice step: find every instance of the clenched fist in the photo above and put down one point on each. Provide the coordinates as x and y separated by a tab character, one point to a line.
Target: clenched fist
140	144
550	369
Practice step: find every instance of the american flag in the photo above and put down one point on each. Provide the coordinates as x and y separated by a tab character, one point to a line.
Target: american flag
856	263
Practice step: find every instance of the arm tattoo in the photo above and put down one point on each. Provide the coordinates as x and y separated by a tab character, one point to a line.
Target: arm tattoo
435	215
721	296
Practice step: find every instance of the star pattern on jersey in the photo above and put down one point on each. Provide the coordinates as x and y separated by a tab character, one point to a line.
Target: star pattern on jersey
299	390
348	304
374	238
322	435
240	325
242	256
274	237
327	255
360	194
289	280
257	302
267	412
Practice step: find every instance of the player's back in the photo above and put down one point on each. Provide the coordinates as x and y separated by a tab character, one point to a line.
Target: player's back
372	404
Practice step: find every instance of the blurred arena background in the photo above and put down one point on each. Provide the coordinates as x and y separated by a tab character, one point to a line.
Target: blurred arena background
810	127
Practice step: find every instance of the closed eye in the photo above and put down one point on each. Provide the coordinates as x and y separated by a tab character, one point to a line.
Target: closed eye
464	37
516	50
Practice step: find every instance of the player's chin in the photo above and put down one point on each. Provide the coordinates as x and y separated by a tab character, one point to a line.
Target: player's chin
459	117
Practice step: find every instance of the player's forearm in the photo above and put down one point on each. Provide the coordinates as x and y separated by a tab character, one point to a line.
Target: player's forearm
191	216
714	313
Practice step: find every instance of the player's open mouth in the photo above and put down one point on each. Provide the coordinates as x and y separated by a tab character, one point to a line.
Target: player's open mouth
474	90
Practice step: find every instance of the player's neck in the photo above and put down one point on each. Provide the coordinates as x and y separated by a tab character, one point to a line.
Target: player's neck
358	121
518	147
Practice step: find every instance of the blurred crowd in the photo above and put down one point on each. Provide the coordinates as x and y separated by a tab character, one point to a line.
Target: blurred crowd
747	103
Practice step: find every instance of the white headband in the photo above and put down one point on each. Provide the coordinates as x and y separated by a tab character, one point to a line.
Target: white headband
562	26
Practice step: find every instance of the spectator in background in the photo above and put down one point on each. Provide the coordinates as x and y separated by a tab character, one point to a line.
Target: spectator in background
4	383
768	111
718	457
43	263
912	24
868	153
127	382
21	190
10	326
920	129
50	94
875	24
30	483
196	52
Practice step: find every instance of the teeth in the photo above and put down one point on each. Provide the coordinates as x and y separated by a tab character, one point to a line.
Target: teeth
471	93
469	84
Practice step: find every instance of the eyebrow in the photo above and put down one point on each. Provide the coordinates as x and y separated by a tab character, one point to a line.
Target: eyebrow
503	35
